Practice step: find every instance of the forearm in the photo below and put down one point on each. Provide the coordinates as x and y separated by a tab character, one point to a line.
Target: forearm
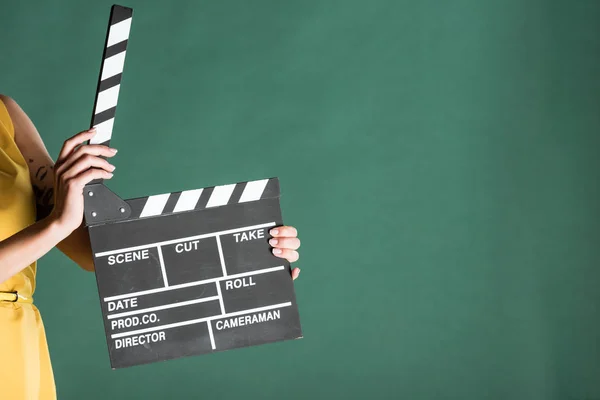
42	174
78	248
23	248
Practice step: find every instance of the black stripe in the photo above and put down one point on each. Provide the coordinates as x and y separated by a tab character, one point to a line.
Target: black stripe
272	189
106	143
120	13
116	49
204	197
109	82
137	205
104	116
170	205
117	14
237	193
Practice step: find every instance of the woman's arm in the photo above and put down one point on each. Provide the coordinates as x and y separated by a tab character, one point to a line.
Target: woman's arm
28	245
46	177
41	170
75	167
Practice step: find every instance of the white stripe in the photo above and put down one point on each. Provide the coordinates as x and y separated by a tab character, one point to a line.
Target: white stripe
220	195
166	242
113	65
103	132
162	267
154	205
253	190
107	99
221	256
164	307
196	283
187	200
210	333
118	32
196	321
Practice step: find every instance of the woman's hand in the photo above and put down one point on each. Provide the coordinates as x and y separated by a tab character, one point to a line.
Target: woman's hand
75	167
285	242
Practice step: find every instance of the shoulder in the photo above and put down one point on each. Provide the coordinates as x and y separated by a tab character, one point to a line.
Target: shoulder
11	105
7	106
19	118
25	133
7	100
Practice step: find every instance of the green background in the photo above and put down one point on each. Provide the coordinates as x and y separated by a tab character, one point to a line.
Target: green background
439	158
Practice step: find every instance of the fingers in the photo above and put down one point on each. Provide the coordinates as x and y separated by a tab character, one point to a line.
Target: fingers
73	142
284	231
290	255
285	243
86	177
88	151
87	162
291	243
96	150
295	273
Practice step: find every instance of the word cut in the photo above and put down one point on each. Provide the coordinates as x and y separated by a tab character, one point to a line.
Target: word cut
188	246
128	257
122	304
239	283
250	235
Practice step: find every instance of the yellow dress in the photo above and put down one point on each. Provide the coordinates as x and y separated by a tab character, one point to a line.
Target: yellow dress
25	370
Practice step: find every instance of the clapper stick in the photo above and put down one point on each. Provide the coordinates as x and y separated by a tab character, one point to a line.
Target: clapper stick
105	107
188	272
111	72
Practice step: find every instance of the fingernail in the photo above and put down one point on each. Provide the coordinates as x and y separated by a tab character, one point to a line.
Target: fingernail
93	129
114	151
274	232
277	251
112	167
110	175
273	242
298	273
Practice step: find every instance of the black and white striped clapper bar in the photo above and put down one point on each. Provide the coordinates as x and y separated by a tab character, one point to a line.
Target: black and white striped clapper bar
183	273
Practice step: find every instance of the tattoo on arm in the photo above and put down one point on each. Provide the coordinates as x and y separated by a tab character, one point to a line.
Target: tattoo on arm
43	189
41	172
45	201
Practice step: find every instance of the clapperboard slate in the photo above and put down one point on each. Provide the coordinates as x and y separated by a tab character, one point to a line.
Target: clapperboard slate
183	273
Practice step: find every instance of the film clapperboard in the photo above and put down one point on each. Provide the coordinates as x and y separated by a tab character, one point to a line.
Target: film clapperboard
183	273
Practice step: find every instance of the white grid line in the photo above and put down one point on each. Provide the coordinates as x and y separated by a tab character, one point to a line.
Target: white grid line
221	255
162	267
167	242
196	283
210	333
163	307
220	297
199	320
